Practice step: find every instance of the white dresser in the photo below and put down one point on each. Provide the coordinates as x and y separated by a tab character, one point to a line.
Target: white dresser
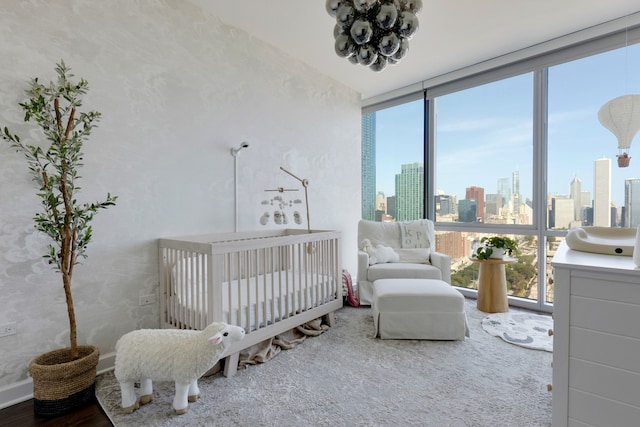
596	341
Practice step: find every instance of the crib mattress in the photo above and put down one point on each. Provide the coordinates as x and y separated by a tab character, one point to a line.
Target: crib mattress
253	302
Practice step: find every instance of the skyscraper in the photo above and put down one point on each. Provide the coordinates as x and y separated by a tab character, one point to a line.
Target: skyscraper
516	192
445	204
381	202
369	166
575	192
391	206
602	192
467	210
410	192
586	205
381	206
477	194
446	207
492	204
632	202
562	212
504	190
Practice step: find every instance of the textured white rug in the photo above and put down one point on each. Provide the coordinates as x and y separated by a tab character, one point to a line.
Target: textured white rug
520	328
345	377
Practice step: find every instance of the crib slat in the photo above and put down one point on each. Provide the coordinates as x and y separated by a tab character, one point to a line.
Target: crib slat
215	276
228	282
270	270
253	290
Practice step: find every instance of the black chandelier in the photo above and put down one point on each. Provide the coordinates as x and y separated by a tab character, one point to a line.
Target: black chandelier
373	33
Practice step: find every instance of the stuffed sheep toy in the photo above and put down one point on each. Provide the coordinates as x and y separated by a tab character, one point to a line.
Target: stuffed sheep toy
379	254
175	355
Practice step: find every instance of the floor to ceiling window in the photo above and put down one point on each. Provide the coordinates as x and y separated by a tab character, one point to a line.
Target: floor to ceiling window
484	155
585	185
521	154
393	167
483	162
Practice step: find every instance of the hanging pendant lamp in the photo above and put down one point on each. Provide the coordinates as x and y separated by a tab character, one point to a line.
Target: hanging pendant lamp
373	33
621	116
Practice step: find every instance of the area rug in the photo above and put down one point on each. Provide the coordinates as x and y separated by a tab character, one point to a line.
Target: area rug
524	329
346	377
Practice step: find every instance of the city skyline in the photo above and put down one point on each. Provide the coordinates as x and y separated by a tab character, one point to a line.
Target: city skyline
565	210
496	189
482	131
577	165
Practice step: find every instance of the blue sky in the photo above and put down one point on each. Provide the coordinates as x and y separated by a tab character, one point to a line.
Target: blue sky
485	133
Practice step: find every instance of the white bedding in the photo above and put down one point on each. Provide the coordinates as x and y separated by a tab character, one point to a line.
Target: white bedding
252	302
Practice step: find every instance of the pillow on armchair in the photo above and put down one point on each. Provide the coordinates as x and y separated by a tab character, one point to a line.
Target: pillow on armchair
379	254
414	255
416	238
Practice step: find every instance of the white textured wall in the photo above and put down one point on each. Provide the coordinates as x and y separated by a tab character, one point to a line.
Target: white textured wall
177	89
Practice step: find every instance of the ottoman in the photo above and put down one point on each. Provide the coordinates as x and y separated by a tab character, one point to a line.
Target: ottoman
423	309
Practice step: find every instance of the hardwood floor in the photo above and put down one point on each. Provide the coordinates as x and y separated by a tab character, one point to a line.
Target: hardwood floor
22	415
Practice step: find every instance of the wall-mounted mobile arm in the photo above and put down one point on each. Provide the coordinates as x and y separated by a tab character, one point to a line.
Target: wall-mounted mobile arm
305	184
234	153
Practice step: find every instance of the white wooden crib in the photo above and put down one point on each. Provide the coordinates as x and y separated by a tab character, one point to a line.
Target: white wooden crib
265	281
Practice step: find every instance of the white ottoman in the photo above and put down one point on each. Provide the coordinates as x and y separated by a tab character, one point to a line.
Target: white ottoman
418	309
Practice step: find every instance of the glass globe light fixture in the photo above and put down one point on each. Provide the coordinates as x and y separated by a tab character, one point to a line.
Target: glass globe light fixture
373	33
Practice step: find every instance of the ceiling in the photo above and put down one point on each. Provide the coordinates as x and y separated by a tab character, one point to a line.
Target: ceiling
453	34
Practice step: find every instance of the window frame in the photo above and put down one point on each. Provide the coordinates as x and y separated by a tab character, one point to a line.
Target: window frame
608	36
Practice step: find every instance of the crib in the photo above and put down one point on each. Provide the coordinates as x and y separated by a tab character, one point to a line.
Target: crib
265	281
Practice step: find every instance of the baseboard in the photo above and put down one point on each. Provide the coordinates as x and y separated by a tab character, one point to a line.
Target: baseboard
16	393
23	390
106	363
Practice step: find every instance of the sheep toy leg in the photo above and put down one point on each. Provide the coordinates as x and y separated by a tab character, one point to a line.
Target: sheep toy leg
129	398
146	391
180	400
194	391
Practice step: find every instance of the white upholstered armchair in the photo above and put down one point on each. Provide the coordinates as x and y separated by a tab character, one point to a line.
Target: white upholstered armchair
413	241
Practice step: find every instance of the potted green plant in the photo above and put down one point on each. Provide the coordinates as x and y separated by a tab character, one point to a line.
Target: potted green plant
496	247
63	379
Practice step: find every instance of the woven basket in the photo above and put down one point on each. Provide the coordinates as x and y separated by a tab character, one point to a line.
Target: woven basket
60	384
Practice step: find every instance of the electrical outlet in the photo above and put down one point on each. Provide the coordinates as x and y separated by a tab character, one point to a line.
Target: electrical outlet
8	329
147	299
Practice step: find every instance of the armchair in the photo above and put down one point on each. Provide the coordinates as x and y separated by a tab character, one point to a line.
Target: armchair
417	257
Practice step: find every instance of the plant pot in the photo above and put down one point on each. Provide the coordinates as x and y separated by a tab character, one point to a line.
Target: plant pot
60	384
498	253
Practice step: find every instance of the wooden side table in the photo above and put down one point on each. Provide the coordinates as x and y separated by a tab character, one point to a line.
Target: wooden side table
492	285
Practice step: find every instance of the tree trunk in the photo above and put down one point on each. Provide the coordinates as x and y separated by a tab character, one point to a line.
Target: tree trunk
73	341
